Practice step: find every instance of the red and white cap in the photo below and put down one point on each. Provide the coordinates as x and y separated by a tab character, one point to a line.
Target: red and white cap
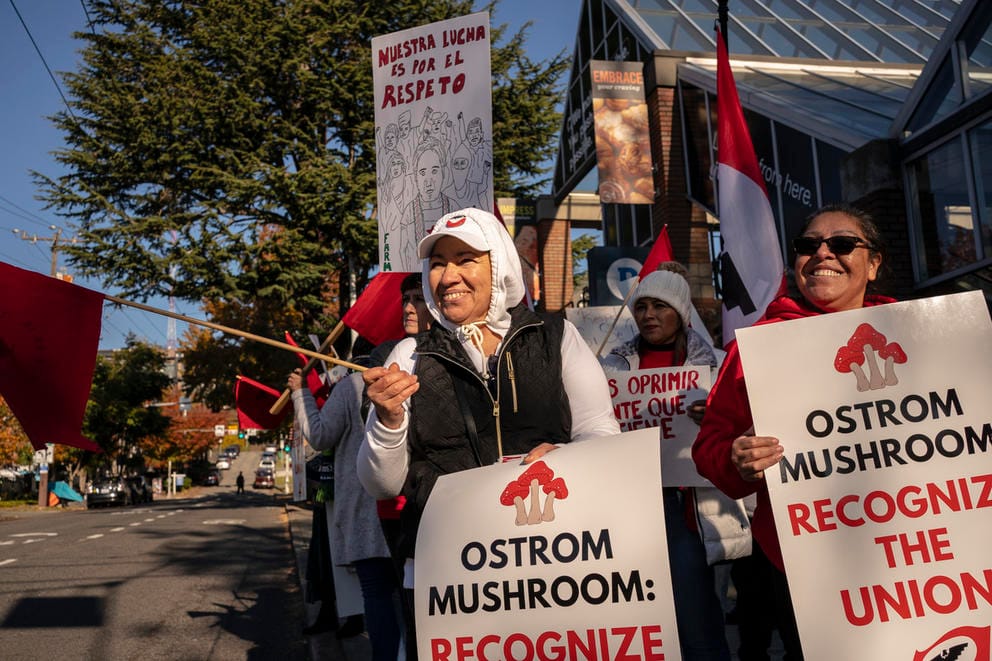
465	225
484	232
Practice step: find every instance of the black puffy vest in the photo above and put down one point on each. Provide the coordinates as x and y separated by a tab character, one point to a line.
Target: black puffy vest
533	406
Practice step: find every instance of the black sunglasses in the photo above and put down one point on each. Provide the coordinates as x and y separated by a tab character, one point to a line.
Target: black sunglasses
838	245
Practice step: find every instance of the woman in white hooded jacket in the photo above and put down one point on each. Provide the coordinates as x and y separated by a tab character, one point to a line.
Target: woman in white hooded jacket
490	379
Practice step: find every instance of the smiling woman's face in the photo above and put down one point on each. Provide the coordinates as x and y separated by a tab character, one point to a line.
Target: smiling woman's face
460	280
836	282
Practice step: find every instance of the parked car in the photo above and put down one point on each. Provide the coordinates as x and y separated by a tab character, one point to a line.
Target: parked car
212	478
141	489
264	479
232	451
268	464
107	491
223	464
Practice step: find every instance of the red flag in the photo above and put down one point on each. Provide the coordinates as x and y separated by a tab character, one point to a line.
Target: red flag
316	384
752	272
377	315
661	251
49	334
254	400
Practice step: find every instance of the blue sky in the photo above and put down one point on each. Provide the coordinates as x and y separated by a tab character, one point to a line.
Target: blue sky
27	137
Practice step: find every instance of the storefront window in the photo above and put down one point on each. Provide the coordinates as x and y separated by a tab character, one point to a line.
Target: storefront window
980	139
795	179
945	230
828	161
764	148
697	145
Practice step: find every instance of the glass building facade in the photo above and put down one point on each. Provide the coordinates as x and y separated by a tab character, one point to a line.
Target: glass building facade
819	81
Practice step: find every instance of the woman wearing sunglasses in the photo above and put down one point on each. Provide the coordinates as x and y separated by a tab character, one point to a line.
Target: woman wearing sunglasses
838	255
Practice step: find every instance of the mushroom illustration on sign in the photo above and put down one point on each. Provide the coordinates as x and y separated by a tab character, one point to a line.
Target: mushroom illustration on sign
850	359
892	353
534	478
867	340
556	488
514	494
870	340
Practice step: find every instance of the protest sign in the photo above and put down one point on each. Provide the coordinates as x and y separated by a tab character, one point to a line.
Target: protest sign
433	118
883	497
593	323
564	558
659	399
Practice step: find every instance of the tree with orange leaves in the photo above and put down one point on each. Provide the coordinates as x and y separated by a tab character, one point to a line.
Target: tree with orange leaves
15	448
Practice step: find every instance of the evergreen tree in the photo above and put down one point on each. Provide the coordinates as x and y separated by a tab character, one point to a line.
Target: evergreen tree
120	416
223	150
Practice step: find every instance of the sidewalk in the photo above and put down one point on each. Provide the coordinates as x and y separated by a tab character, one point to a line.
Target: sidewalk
325	646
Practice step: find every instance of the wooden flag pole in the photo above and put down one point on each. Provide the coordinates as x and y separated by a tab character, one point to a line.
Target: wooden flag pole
328	341
602	344
234	331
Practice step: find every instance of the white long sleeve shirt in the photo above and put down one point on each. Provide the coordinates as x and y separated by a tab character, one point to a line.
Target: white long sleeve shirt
383	459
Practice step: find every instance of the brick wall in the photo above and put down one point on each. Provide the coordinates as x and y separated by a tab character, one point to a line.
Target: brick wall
555	249
687	226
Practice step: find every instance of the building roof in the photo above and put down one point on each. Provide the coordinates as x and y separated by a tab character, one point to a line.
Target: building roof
843	71
891	31
843	103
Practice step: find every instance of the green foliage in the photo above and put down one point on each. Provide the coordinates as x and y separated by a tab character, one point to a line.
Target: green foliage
222	151
580	249
525	115
118	415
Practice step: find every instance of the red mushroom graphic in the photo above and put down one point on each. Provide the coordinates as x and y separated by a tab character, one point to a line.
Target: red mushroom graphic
514	494
534	478
850	359
892	353
555	489
870	341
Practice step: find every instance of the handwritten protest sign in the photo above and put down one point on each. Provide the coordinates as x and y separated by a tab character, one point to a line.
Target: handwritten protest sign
433	118
883	498
659	399
593	323
563	559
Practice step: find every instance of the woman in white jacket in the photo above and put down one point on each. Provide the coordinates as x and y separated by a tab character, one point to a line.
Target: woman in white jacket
702	525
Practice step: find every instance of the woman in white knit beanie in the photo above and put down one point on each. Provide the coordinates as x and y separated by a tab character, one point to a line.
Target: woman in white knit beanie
662	308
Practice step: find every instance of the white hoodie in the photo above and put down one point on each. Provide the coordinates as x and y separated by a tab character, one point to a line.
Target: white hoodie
383	459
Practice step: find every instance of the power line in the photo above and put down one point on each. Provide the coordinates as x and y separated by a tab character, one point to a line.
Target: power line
43	61
89	21
21	212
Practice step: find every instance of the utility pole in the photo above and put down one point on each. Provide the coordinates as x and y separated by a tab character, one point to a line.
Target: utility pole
34	238
55	238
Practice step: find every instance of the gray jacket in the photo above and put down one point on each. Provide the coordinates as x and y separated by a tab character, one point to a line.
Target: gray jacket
355	531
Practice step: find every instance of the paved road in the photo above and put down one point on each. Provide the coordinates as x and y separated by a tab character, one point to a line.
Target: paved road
212	577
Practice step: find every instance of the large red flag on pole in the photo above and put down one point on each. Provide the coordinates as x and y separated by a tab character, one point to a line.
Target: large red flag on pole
377	315
752	272
253	400
49	335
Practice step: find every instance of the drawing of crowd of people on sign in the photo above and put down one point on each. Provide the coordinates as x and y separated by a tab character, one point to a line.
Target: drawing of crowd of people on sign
433	130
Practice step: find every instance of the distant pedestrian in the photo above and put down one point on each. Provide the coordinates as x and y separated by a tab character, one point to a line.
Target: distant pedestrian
240	481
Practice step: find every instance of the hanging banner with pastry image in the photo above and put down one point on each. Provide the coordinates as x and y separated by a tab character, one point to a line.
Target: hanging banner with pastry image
623	144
